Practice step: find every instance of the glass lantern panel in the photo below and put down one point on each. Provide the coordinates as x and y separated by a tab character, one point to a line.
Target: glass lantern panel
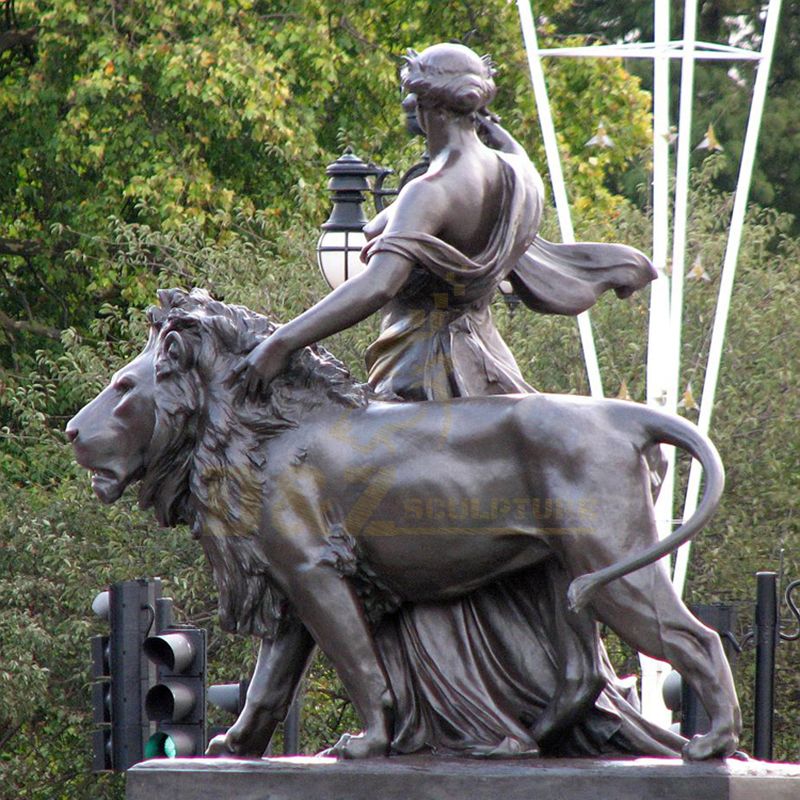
338	256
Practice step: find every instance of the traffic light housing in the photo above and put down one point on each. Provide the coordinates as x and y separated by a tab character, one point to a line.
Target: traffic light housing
121	674
177	703
102	756
230	697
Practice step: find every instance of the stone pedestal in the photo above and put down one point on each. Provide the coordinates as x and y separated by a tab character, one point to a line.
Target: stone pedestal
429	778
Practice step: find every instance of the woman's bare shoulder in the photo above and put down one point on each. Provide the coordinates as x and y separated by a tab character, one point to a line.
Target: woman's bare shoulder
421	206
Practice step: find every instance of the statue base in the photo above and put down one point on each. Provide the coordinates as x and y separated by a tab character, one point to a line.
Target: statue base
437	778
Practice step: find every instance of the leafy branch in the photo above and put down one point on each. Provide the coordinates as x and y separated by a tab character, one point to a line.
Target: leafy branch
14	326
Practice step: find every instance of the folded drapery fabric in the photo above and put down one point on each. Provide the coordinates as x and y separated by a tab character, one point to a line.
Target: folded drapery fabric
474	676
569	278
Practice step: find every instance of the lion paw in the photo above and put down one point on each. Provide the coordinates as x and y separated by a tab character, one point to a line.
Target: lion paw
361	746
219	746
228	745
710	745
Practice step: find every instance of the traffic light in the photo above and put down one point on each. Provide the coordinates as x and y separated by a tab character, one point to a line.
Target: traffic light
229	697
121	674
102	757
177	703
679	697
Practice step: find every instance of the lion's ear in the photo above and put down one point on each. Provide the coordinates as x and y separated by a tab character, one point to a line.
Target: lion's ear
176	355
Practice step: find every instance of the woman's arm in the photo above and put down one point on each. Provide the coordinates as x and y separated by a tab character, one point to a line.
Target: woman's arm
377	225
352	302
495	135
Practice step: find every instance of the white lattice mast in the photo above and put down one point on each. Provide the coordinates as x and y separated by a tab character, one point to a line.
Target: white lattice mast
666	297
730	262
660	349
557	181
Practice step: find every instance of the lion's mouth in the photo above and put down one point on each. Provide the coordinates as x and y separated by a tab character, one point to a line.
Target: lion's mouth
106	485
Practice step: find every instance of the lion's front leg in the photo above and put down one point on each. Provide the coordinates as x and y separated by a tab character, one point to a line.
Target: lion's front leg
333	614
281	664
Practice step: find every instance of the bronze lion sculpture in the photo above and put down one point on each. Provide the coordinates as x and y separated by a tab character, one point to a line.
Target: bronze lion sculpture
323	507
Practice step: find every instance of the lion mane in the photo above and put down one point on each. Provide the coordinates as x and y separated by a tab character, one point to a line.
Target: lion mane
191	475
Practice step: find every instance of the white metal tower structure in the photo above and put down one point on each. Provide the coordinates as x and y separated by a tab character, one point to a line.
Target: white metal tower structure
666	294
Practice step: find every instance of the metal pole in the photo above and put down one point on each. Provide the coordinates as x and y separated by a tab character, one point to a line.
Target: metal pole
729	269
557	179
681	201
163	615
658	344
659	349
766	634
291	727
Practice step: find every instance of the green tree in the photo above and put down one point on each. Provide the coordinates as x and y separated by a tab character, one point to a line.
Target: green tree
151	112
156	112
723	90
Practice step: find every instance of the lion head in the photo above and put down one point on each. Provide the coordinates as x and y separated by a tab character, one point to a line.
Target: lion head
169	420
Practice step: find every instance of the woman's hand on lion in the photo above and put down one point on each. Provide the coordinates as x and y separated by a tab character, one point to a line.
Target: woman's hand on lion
258	369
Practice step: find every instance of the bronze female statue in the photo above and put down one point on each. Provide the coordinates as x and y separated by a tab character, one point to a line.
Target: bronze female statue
435	259
437	255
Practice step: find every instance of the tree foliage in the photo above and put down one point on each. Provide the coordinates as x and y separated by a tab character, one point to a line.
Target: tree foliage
153	143
158	113
723	90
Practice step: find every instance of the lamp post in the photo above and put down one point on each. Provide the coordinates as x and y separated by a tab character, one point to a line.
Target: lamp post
340	244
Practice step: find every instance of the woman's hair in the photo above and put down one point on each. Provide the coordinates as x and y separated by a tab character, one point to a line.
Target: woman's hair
451	76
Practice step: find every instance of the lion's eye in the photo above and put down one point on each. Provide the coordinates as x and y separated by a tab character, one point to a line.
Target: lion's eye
124	385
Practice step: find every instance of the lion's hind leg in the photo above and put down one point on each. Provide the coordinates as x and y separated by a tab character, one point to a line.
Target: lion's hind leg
644	610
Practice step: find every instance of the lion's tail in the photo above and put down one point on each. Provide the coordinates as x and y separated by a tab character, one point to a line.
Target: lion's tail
657	427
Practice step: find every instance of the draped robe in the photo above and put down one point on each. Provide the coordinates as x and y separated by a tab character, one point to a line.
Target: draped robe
475	674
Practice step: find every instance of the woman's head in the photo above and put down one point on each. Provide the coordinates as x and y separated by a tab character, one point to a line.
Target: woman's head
451	76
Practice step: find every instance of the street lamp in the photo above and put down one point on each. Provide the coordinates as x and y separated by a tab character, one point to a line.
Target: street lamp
339	246
510	297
